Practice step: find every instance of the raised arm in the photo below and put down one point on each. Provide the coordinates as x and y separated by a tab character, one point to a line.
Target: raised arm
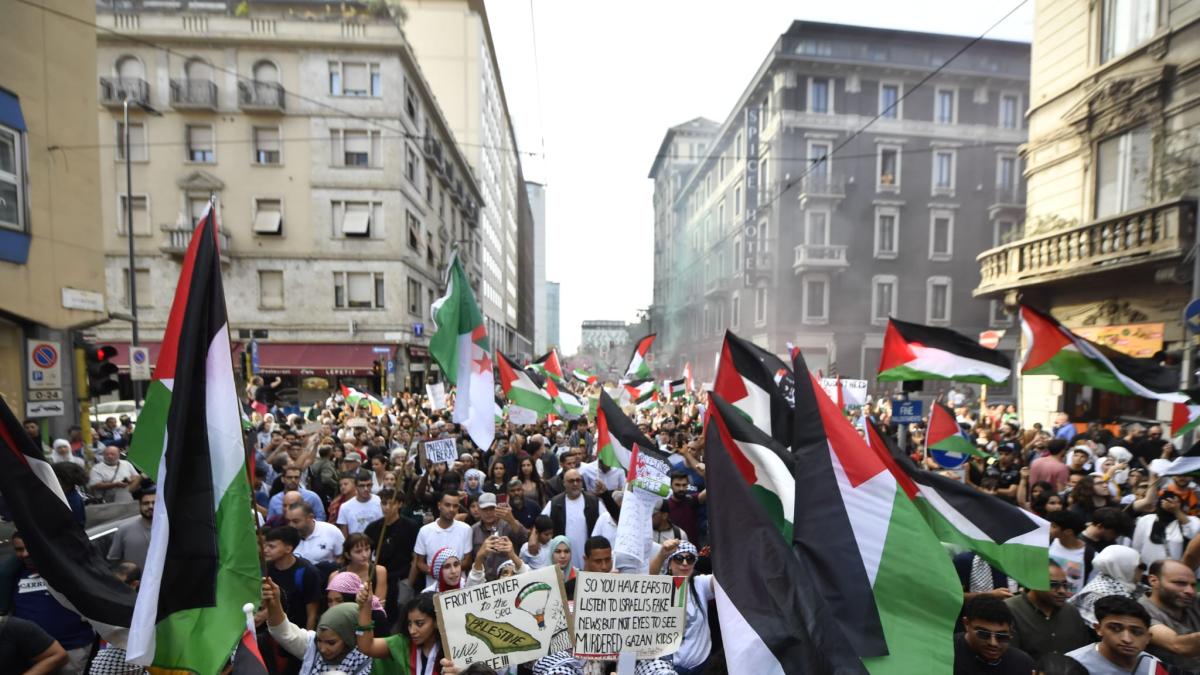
376	648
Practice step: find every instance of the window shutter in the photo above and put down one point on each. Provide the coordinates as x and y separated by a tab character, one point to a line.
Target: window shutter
355	78
270	288
357	141
200	137
357	220
361	291
268	219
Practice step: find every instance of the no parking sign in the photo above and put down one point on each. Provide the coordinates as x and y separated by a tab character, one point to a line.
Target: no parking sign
45	366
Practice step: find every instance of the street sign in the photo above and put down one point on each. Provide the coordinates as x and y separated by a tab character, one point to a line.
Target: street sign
906	411
45	409
139	364
990	338
391	366
46	395
1191	316
381	350
45	366
418	329
254	356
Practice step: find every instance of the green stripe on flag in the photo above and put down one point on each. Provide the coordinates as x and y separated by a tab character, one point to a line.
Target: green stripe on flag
1026	563
905	374
960	445
147	448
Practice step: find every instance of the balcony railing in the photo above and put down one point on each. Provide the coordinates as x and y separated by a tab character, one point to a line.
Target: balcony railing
1009	195
721	286
261	97
822	185
193	95
179	236
114	90
819	257
1150	234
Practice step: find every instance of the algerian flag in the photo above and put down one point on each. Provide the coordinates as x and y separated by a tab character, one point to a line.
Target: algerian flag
639	367
202	564
460	347
520	389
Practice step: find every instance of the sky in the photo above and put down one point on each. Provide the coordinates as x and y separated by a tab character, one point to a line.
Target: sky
593	87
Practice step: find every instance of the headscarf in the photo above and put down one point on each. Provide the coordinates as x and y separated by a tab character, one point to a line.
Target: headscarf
562	539
506	564
349	583
1114	567
440	559
467	476
340	619
685	547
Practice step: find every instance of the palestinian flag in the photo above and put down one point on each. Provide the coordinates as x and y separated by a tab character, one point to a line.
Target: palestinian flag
547	366
639	367
358	399
202	565
567	404
1184	418
616	435
888	579
640	391
651	403
676	388
460	347
1187	463
520	388
775	620
915	352
584	376
499	411
766	465
247	659
1051	349
1011	539
77	574
757	383
946	441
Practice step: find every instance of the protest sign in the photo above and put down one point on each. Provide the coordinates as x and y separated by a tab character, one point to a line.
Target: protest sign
357	423
638	613
631	545
519	415
854	392
437	395
506	622
441	450
650	471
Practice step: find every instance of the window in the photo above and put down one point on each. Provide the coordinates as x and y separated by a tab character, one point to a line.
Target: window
414	231
889	100
720	220
266	72
355	148
1123	172
1005	232
764	189
141	277
1125	24
816	230
196	206
356	219
889	169
998	315
737	200
428	187
883	298
270	289
820	95
1010	111
12	177
764	241
266	145
141	216
815	300
887	232
414	297
200	146
735	310
937	300
943	172
941	235
354	79
1006	173
818	157
411	105
760	306
268	216
130	68
358	290
945	109
138	151
410	163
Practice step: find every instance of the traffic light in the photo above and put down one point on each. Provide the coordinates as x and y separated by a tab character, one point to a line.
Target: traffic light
101	371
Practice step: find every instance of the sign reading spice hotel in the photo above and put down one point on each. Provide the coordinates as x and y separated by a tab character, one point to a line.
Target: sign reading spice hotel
506	622
617	613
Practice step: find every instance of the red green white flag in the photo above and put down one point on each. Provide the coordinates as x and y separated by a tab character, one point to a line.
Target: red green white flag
945	440
1184	418
520	389
460	347
639	366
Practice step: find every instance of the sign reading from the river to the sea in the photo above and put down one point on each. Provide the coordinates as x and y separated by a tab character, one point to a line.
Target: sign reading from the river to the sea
616	613
506	622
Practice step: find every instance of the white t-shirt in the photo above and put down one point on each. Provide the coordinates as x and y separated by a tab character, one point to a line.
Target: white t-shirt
1071	561
576	527
323	545
356	515
590	472
535	562
432	538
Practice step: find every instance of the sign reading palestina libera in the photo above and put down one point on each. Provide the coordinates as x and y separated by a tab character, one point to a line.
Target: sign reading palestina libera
506	622
637	613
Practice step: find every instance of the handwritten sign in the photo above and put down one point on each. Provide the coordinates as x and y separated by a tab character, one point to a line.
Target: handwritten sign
441	450
854	392
437	395
631	550
519	415
617	613
651	472
506	622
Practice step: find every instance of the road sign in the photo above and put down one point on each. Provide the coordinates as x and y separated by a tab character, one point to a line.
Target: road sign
391	367
45	367
254	356
45	409
381	350
990	338
418	329
46	395
139	363
1191	316
906	411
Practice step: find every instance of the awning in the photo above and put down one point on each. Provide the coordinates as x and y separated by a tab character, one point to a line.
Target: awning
276	358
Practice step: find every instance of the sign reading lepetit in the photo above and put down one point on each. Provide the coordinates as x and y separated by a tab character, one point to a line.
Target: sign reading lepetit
616	613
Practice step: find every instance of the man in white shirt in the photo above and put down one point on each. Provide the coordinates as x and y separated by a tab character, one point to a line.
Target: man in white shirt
598	471
364	509
444	532
574	513
320	542
110	479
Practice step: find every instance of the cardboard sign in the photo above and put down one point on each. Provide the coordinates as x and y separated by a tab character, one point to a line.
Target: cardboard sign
651	473
519	415
631	550
506	622
616	613
441	450
854	392
437	395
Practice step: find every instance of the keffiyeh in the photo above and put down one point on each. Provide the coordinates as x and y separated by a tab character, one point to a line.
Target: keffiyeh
1115	567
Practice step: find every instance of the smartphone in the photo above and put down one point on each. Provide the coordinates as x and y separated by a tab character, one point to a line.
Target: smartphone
502	499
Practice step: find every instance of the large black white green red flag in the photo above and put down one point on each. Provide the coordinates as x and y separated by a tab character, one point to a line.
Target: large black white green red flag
758	383
915	352
202	565
639	364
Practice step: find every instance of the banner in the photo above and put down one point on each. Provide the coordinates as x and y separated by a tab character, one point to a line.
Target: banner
617	613
506	622
441	450
853	391
519	415
635	530
650	473
437	395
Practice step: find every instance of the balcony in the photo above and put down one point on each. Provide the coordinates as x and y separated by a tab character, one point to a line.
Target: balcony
180	236
194	95
810	257
1148	235
433	149
261	97
720	287
1006	198
115	90
822	185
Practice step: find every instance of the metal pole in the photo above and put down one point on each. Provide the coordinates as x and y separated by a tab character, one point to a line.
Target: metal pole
133	306
1187	375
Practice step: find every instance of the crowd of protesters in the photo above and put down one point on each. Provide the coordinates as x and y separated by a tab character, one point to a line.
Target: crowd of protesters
359	529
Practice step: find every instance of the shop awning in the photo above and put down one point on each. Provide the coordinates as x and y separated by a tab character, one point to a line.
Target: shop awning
276	358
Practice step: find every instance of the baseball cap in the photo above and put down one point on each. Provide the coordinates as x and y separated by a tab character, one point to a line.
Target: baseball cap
487	500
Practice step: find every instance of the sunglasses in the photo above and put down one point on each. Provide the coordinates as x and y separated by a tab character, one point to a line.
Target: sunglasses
686	559
1055	585
987	636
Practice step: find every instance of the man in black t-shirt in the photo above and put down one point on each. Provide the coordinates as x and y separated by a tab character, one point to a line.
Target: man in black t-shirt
400	538
984	646
298	580
24	646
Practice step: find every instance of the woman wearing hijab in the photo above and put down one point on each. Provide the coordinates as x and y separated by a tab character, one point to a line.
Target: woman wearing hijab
1117	571
414	649
473	483
446	570
560	556
330	648
680	561
1165	533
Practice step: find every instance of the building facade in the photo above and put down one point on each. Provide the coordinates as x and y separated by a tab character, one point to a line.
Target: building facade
454	42
51	268
552	314
537	206
339	187
788	224
1114	127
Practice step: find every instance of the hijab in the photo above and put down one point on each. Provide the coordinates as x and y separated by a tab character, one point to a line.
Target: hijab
440	559
340	619
562	539
349	583
466	483
1114	567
